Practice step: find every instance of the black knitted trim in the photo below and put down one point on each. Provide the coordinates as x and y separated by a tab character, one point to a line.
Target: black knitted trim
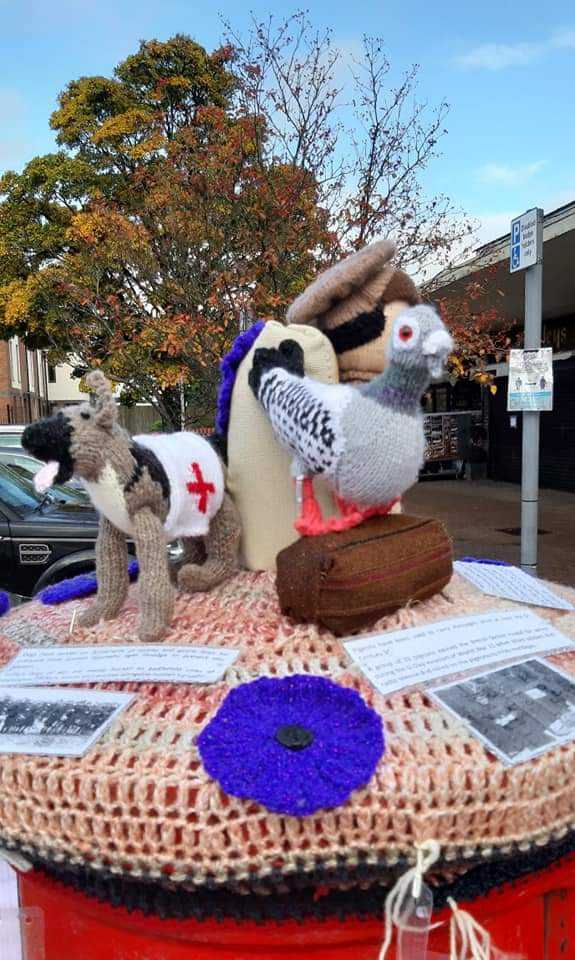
145	457
357	332
203	904
287	356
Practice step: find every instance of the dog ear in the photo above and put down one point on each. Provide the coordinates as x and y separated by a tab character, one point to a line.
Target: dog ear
106	413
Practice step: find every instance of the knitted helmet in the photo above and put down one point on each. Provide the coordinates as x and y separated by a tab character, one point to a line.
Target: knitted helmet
347	302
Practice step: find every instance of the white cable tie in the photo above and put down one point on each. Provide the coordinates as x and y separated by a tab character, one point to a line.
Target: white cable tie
410	882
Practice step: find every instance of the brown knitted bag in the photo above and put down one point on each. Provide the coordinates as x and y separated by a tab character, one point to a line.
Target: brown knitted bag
349	580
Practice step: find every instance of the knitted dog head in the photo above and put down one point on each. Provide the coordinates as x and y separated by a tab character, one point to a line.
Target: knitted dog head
355	303
78	439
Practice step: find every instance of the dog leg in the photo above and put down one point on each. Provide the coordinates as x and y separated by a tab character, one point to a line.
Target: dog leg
222	552
156	593
111	573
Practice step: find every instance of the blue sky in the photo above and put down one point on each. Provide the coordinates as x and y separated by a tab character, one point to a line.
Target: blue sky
508	76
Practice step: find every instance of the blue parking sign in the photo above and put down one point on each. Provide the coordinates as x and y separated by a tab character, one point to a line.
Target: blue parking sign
526	246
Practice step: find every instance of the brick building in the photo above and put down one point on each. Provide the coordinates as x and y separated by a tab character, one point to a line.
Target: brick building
23	383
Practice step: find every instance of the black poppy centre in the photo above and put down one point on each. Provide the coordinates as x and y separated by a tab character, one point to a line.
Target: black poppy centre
294	737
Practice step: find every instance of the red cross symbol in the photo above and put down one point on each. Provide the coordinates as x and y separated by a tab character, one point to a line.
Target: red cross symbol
200	487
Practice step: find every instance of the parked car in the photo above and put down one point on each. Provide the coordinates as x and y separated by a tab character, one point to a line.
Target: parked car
17	456
11	435
43	538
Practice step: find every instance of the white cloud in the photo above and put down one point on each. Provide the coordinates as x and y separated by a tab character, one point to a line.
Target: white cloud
559	199
509	175
564	38
499	56
493	225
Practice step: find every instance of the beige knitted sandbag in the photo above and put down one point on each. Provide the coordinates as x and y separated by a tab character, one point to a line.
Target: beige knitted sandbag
259	478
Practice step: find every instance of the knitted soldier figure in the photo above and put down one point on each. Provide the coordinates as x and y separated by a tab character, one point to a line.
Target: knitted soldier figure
354	304
342	321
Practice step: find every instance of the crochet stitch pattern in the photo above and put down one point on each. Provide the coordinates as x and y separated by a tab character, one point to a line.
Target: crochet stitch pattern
296	744
141	805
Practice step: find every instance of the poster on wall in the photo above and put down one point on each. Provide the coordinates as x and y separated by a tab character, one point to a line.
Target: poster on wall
530	380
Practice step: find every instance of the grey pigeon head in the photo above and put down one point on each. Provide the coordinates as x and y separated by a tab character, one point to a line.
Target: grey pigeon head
420	341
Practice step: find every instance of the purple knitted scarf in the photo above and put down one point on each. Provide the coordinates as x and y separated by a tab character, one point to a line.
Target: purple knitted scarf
229	368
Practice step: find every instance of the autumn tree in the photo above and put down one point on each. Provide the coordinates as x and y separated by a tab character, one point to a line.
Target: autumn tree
481	334
363	134
191	189
141	243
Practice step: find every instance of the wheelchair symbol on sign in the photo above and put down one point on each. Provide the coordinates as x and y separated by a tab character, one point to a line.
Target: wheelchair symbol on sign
515	257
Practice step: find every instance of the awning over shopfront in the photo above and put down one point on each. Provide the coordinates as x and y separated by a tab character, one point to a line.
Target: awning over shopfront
505	291
558	278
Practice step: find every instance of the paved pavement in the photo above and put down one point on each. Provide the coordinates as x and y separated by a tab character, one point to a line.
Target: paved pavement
477	514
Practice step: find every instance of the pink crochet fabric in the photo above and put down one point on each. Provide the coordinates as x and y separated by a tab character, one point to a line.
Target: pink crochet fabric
140	803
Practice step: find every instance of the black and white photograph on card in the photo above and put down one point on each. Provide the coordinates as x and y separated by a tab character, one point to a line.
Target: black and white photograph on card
55	722
518	711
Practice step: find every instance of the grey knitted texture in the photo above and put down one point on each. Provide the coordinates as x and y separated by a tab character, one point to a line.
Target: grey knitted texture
368	443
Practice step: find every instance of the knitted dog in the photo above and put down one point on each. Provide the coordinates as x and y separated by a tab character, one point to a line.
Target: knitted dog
153	488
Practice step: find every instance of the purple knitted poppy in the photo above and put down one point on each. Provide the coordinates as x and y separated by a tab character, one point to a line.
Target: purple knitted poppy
4	603
229	368
84	585
296	744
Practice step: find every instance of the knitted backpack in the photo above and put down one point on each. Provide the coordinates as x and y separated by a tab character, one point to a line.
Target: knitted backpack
258	475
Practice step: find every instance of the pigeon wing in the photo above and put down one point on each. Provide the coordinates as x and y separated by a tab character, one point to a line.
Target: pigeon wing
305	416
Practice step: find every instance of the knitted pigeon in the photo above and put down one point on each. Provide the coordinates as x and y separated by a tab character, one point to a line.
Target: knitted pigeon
366	442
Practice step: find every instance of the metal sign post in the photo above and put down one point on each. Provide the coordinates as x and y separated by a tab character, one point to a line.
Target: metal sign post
527	254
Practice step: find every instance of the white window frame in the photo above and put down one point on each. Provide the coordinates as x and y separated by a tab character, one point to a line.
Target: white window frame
15	370
31	370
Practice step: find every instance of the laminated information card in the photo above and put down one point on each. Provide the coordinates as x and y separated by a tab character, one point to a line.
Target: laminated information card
154	662
405	658
517	711
511	583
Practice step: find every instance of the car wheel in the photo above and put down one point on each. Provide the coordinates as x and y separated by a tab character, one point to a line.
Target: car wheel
60	575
